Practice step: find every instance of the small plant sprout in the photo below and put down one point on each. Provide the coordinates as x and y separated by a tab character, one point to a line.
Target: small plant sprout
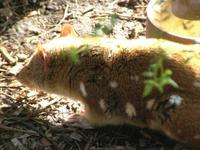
159	1
113	19
105	28
158	77
73	55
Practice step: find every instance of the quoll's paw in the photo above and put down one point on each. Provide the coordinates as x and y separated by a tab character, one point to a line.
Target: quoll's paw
78	120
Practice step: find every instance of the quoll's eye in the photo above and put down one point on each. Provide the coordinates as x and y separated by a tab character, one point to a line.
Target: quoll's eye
28	68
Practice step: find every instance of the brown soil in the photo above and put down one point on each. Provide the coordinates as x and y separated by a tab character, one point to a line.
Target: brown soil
36	120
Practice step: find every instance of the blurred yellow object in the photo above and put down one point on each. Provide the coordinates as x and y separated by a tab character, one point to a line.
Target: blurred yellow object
162	23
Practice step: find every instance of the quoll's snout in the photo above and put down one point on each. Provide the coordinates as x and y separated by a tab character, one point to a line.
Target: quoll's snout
31	73
22	76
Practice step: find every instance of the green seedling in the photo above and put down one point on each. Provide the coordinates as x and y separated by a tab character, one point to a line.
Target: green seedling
105	28
159	1
158	77
73	55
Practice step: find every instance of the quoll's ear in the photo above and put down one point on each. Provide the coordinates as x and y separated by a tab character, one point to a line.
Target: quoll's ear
68	30
43	54
40	51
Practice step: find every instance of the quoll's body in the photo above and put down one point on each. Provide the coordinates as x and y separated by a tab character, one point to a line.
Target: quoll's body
108	79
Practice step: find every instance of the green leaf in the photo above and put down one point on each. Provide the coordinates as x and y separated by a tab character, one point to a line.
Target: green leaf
164	81
173	83
114	18
155	66
149	74
147	90
98	30
167	72
150	82
73	55
107	29
159	1
154	84
160	87
98	26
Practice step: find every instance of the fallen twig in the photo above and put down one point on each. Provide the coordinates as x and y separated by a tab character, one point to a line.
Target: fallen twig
121	16
4	127
6	55
3	70
52	102
9	86
9	96
87	11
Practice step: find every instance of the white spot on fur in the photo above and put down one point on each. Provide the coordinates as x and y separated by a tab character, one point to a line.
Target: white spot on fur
197	137
113	84
102	104
175	100
136	78
82	89
196	84
179	131
130	110
150	103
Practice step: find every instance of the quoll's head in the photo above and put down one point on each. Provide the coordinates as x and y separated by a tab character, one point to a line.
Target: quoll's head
32	74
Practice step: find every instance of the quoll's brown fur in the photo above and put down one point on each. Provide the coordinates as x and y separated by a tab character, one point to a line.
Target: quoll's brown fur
108	79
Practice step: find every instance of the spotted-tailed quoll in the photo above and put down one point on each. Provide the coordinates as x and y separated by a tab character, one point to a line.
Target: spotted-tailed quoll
108	79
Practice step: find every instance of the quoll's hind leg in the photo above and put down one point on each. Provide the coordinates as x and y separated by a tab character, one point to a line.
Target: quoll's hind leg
178	116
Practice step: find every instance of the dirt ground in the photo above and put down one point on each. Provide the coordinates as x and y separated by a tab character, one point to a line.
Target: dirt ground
36	120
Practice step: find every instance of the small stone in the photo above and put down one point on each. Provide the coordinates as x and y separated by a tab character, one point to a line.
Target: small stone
22	57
